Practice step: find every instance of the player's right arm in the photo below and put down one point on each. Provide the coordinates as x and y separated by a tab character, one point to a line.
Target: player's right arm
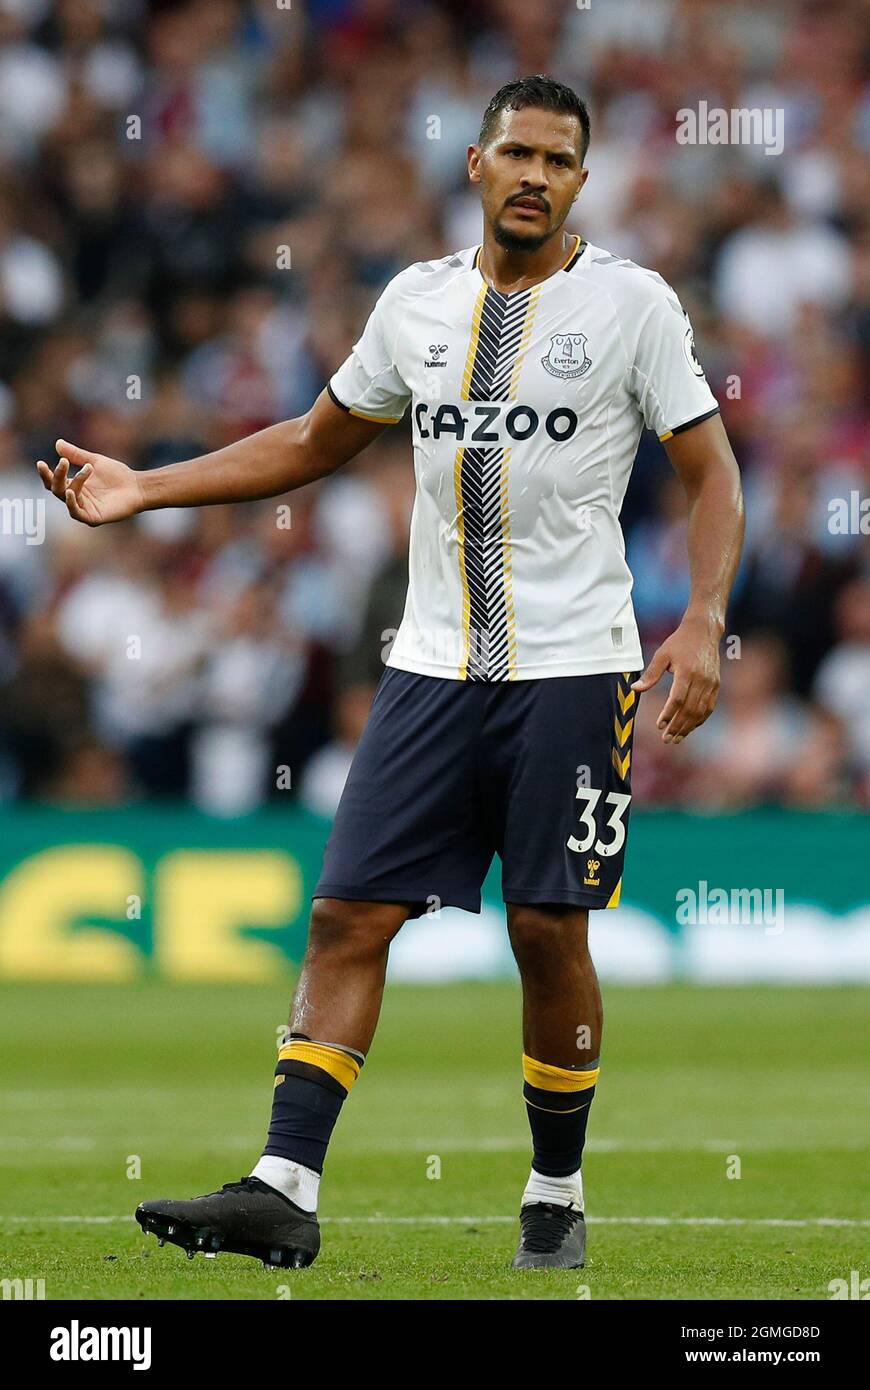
273	461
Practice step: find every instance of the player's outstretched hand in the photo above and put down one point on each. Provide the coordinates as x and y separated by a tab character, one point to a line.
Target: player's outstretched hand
102	490
691	654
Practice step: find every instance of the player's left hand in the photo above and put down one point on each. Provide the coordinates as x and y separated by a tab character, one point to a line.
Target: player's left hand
691	654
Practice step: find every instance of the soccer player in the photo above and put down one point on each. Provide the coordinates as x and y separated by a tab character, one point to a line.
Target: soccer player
503	720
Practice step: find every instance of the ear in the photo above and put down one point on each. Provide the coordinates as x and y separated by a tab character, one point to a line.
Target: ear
473	157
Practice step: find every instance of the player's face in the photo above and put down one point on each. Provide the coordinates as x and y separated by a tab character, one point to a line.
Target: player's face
530	174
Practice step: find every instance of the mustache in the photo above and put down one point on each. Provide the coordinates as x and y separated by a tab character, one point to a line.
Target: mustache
529	198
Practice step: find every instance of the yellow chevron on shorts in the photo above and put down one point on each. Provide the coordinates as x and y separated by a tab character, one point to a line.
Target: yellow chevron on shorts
339	1065
614	897
625	701
623	731
621	764
549	1078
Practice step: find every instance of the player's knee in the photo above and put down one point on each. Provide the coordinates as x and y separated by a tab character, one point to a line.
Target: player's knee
352	927
543	937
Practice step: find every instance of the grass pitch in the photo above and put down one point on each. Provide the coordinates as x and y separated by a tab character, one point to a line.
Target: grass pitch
422	1185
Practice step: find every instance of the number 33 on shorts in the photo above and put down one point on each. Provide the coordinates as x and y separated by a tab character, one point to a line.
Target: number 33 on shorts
601	804
591	796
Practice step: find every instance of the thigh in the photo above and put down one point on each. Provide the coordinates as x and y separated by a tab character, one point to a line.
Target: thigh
409	826
564	763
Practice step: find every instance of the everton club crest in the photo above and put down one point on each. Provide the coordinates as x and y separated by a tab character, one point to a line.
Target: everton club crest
567	356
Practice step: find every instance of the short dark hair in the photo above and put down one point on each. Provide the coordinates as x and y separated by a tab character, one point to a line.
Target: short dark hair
536	90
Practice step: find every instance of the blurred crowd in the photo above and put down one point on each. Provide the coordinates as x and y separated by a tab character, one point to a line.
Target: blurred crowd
199	203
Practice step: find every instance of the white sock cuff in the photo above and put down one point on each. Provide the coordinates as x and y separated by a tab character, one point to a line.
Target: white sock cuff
293	1180
565	1192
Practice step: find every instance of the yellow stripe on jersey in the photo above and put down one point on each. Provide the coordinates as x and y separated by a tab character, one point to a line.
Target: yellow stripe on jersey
472	343
504	492
524	340
457	484
465	619
502	464
575	250
504	508
375	419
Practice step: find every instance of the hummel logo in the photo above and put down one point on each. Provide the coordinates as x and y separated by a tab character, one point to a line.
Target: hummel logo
592	867
435	352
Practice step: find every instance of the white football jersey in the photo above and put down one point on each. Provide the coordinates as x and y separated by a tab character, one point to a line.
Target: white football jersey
526	413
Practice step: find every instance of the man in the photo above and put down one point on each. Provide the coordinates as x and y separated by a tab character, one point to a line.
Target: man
504	719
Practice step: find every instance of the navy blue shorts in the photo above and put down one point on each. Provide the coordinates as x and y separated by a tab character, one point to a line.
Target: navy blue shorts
448	773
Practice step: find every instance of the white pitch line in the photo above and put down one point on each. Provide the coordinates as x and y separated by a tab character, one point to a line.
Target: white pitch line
522	1144
72	1143
65	1142
381	1220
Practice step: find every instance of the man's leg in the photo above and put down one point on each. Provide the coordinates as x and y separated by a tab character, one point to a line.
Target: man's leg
271	1214
410	823
332	1023
562	1024
341	983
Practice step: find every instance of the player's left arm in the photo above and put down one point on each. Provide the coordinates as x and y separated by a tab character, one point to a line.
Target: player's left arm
703	459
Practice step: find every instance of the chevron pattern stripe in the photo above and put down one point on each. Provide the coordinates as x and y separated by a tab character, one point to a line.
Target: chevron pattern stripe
501	330
623	724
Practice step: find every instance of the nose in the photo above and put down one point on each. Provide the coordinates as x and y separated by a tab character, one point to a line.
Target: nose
534	177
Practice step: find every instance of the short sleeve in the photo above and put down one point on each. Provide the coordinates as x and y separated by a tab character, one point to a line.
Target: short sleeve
668	380
368	383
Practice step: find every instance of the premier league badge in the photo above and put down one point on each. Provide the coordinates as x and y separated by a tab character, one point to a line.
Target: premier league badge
567	356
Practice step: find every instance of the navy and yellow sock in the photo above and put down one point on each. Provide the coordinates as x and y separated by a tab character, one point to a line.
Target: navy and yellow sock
557	1103
312	1080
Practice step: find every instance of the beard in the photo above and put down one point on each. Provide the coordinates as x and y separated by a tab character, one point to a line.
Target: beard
520	241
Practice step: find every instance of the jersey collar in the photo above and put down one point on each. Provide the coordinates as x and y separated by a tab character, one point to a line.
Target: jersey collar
573	257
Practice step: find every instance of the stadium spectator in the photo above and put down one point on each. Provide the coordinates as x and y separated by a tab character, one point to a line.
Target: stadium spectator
199	201
843	678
